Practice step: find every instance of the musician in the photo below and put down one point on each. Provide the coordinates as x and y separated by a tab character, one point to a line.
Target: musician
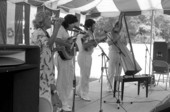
41	38
115	64
65	67
84	58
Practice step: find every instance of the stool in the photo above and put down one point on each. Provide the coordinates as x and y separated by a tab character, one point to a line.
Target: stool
123	79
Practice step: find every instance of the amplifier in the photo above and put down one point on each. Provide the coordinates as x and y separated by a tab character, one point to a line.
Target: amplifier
160	51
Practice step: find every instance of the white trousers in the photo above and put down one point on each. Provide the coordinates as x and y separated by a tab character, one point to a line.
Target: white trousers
65	79
114	67
85	61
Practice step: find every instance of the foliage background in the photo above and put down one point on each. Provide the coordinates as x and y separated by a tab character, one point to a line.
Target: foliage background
139	27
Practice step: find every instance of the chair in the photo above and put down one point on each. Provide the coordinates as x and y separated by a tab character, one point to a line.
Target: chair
161	68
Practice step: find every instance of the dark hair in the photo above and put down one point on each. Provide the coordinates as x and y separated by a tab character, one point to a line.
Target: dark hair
89	23
40	17
69	19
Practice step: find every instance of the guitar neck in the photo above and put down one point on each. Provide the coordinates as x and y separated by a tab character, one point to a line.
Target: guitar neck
93	42
61	42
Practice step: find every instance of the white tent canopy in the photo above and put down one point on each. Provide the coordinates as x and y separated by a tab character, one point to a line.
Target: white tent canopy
109	7
101	7
11	12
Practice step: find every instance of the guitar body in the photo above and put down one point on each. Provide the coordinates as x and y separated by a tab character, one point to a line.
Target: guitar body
89	45
66	53
92	43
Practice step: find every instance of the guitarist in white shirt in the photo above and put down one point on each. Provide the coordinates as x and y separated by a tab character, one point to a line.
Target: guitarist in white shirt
65	67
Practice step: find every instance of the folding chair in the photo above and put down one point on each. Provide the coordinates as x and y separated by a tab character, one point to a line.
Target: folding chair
161	68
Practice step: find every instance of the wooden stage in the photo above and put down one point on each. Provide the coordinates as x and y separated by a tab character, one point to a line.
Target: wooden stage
157	96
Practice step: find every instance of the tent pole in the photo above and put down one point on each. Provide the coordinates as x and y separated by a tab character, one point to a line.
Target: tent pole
151	40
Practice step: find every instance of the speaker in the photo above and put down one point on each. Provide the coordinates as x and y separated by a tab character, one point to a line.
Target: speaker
160	51
19	78
168	52
12	57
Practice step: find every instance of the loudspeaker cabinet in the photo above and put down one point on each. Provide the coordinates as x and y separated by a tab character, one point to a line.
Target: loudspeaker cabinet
20	82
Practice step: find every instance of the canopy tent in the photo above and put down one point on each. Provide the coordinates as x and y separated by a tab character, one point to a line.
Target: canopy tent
11	12
16	20
101	7
109	7
13	27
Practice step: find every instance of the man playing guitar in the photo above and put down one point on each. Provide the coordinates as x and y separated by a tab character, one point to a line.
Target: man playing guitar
65	67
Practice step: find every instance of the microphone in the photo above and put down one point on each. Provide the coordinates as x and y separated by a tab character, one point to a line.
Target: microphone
56	19
105	31
77	28
82	25
79	31
53	20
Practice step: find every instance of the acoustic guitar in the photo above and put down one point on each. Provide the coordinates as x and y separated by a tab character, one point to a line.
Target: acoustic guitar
92	43
89	44
66	48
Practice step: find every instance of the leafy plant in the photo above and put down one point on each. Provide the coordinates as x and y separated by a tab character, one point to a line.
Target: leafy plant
139	27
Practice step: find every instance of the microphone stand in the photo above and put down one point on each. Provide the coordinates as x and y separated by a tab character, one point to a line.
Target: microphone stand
103	52
103	55
146	50
118	77
74	81
102	69
152	76
74	78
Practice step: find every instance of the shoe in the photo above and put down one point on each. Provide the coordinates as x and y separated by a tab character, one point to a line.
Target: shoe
109	89
67	108
78	94
118	91
86	98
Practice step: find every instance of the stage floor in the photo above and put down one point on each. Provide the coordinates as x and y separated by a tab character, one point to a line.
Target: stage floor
157	96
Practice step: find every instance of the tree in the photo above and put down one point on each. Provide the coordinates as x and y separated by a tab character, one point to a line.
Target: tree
139	27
